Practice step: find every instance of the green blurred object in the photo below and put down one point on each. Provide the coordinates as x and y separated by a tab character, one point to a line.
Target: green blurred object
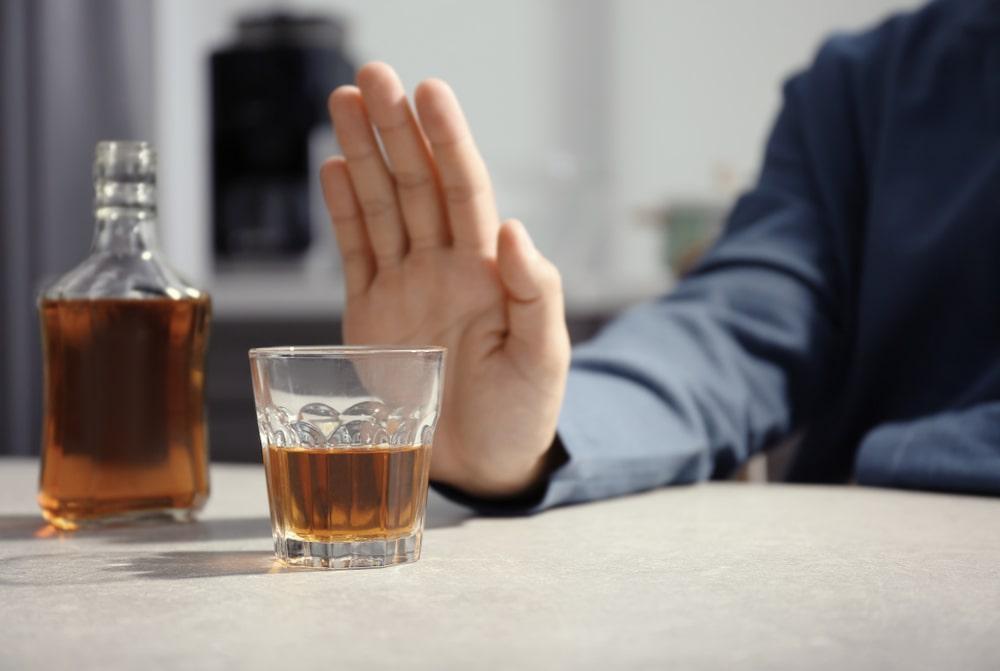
689	229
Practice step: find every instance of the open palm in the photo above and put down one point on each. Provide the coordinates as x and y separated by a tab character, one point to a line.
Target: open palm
428	262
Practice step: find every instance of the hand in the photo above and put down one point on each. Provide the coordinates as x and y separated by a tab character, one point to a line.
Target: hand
427	262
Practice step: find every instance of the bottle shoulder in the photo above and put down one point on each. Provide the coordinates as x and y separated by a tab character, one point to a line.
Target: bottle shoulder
106	274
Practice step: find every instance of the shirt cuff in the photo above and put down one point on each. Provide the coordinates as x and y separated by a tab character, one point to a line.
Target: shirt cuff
618	437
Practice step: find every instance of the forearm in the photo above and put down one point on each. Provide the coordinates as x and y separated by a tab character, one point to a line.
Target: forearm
682	389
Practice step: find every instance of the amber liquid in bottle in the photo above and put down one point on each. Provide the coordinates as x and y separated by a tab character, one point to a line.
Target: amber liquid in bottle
124	430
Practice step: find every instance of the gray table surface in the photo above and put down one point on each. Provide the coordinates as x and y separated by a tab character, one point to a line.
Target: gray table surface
714	576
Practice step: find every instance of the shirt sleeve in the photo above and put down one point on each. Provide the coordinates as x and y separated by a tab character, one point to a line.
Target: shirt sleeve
955	451
740	353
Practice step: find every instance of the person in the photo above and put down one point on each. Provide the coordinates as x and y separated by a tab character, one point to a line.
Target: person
853	299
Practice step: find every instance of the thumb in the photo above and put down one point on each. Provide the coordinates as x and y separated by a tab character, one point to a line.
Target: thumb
535	316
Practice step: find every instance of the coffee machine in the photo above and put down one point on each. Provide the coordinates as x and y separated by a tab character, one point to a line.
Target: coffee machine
268	94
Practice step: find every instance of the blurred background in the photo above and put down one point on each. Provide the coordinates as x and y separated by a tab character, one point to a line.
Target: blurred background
618	131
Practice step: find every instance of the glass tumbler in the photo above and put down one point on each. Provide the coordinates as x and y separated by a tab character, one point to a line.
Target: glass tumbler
346	434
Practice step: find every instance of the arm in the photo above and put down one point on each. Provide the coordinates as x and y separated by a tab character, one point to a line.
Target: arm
742	352
673	390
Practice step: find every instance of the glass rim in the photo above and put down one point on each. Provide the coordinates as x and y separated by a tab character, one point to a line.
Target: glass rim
337	351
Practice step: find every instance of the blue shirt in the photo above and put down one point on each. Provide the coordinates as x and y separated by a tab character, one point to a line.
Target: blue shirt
853	299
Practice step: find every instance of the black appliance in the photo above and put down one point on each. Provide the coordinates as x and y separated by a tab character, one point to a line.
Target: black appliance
269	91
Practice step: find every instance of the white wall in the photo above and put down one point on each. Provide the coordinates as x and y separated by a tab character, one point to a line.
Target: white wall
587	112
699	82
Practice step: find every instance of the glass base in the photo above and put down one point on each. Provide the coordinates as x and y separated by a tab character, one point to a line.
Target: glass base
348	554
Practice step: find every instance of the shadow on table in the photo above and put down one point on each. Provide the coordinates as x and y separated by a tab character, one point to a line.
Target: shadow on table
21	527
231	528
99	567
179	565
25	527
441	513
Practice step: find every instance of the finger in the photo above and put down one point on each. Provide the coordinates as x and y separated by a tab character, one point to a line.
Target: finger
409	156
369	175
535	314
465	182
348	225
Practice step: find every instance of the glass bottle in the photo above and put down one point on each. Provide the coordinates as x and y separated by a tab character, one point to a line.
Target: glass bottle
124	341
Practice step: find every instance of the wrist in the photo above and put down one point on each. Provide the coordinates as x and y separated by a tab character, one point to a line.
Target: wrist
515	486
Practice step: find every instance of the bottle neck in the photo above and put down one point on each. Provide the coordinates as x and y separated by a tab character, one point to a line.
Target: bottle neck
124	198
120	230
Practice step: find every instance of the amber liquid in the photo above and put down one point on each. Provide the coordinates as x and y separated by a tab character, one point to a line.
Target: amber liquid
124	426
347	493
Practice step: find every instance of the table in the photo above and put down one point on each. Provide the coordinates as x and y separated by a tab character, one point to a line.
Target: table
713	576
